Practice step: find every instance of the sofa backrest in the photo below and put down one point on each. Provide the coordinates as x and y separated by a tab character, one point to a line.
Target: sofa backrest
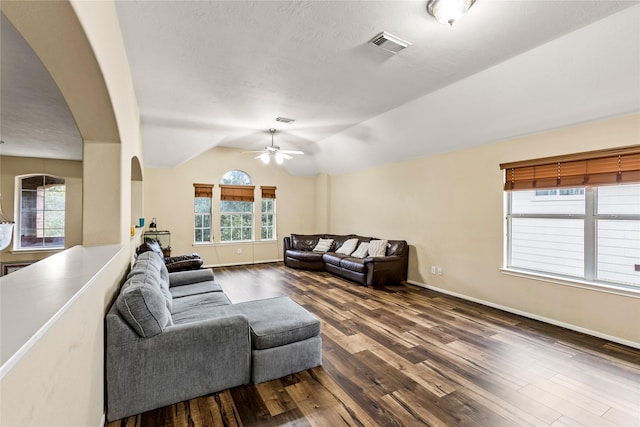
144	300
398	248
305	242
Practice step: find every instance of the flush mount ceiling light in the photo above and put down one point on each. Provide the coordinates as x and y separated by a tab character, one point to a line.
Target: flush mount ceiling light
448	11
274	152
389	42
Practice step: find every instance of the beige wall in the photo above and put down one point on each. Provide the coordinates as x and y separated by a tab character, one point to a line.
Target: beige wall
60	380
70	170
449	208
168	196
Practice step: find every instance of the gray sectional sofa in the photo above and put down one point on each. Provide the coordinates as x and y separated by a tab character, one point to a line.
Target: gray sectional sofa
171	337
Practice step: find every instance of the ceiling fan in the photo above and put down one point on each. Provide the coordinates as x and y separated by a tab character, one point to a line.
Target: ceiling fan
274	152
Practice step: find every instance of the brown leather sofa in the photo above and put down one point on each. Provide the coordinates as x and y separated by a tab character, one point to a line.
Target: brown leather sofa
173	263
370	271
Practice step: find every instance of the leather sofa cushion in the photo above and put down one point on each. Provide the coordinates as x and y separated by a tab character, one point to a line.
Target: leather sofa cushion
333	258
353	264
305	255
305	242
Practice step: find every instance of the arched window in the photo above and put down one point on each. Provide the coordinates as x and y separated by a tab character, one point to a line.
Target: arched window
236	177
40	212
236	207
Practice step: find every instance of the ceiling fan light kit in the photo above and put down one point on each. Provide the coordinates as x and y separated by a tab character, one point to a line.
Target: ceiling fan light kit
449	12
274	152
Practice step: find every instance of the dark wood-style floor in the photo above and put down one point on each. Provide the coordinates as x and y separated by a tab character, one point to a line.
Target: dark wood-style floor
407	356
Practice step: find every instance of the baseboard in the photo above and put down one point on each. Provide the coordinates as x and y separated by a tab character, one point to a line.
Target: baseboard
233	264
529	315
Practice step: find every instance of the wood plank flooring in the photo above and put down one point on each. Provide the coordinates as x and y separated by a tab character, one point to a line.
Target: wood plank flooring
407	356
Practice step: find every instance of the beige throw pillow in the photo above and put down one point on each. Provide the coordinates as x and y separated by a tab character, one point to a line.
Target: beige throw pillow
348	247
362	250
378	247
323	245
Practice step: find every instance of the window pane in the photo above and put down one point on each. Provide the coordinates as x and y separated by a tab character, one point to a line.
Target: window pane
225	220
235	220
198	235
198	220
225	234
236	177
202	205
206	235
549	245
54	198
206	220
562	201
54	219
619	199
236	234
618	251
246	234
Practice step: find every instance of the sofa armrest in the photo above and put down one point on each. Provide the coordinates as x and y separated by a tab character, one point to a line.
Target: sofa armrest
385	270
179	278
183	362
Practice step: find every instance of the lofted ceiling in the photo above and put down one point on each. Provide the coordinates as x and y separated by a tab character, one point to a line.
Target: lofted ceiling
218	73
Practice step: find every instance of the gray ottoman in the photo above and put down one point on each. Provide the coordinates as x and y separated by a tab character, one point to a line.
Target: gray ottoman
285	338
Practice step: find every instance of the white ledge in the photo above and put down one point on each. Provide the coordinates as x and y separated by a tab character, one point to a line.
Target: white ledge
33	298
576	283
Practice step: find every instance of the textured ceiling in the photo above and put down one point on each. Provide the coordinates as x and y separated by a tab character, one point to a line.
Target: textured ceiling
217	73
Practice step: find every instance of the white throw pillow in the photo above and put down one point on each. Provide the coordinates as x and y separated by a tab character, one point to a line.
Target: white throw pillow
348	247
362	250
378	247
323	245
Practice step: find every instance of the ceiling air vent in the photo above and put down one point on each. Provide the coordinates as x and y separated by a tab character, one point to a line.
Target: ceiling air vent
389	42
285	120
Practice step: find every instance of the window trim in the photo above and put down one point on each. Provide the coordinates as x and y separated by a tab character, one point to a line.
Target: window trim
557	279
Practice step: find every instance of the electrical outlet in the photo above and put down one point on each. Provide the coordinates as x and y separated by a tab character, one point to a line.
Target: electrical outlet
433	269
439	271
239	250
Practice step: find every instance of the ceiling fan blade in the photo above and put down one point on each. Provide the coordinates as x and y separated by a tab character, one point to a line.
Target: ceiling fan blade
285	156
291	152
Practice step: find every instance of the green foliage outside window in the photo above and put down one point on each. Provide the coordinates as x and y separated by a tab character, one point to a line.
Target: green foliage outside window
202	213
236	221
267	225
